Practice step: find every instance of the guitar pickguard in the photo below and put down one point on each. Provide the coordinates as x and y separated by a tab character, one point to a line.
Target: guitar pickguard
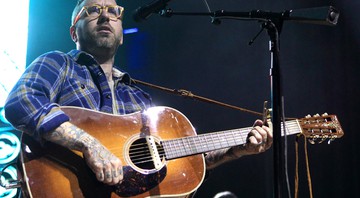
135	183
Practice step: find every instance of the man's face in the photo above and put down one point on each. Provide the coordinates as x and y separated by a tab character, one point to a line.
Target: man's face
98	32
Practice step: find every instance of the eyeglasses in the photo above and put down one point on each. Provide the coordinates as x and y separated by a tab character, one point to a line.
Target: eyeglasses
115	12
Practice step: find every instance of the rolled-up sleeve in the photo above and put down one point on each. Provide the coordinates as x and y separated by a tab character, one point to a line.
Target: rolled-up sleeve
31	105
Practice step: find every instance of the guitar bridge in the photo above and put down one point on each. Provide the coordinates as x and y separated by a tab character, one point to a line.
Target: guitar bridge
154	152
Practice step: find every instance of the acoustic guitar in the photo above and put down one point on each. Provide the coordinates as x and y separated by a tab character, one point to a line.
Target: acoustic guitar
159	148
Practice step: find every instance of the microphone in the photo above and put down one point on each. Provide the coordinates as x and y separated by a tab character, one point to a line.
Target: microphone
320	15
144	12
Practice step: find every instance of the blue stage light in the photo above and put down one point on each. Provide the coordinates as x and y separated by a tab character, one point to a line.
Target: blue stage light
131	31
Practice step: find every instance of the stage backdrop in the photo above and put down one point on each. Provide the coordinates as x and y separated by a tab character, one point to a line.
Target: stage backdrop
320	69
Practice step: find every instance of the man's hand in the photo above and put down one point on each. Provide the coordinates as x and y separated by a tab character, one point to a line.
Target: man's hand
259	139
106	166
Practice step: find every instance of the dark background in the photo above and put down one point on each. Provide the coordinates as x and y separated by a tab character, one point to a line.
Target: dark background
320	68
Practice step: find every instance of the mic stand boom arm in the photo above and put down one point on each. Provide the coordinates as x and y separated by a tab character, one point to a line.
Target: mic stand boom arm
327	15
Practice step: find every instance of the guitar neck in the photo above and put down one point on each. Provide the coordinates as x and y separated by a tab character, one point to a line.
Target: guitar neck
203	143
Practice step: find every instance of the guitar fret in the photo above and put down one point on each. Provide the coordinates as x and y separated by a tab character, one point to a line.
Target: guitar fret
237	138
200	145
168	151
174	146
197	145
184	146
223	140
207	142
212	142
219	138
229	140
193	144
233	137
180	148
171	153
189	145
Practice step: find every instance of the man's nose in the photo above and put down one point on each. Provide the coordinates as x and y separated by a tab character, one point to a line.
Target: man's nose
104	16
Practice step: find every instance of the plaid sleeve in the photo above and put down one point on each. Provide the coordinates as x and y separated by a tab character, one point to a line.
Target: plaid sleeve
30	106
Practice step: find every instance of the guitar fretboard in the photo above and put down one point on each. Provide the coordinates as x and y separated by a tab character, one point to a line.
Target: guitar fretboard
203	143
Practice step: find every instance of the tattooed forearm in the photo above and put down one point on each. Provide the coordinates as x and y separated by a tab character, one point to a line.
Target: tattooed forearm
71	137
218	157
106	166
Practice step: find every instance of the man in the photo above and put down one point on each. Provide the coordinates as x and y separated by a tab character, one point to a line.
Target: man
86	77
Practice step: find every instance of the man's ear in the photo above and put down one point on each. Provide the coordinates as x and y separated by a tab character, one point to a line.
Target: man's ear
73	34
121	39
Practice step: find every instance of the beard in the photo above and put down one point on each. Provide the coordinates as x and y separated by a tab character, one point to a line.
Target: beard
96	40
105	40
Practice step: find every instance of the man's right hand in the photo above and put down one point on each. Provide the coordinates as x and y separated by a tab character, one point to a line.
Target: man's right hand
105	165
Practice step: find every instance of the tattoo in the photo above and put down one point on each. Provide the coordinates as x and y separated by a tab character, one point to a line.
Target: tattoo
216	158
114	173
101	176
120	171
71	137
108	175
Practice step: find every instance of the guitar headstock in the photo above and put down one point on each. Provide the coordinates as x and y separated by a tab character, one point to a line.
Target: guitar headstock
320	128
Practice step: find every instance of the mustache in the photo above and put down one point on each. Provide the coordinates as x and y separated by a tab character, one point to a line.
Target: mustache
105	27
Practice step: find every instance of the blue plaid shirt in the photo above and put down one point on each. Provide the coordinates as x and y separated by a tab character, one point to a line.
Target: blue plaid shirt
68	79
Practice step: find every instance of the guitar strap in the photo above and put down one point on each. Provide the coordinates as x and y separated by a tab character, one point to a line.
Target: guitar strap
297	166
188	94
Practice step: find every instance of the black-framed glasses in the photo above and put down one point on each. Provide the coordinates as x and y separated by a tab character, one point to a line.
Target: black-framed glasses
115	12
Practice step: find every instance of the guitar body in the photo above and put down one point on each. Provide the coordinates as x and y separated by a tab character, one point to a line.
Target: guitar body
50	170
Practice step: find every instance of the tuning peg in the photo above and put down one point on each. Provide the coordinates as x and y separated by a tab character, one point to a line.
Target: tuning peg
332	139
324	137
311	141
316	115
325	114
308	116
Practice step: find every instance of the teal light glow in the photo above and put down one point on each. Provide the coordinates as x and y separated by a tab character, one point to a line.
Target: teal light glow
13	44
9	147
8	175
2	117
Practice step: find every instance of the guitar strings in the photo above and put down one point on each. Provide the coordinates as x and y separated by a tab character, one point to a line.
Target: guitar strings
177	147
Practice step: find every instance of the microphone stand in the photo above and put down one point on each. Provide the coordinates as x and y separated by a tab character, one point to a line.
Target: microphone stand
273	23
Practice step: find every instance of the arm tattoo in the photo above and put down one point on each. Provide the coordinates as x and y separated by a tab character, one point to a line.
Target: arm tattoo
71	137
217	157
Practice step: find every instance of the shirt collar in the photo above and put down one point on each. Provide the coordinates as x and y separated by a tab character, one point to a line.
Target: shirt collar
84	58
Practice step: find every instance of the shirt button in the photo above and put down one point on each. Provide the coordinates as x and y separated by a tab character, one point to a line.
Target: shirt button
108	96
82	86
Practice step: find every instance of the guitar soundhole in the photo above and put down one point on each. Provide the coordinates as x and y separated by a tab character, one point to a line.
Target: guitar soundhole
140	155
